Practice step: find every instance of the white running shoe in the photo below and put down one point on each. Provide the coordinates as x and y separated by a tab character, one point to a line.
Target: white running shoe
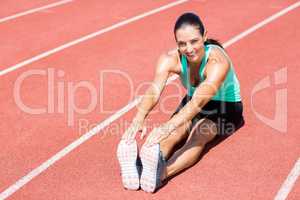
154	166
128	158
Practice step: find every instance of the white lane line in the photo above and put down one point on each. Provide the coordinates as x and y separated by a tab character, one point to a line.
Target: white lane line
5	19
289	182
264	22
35	172
24	180
89	36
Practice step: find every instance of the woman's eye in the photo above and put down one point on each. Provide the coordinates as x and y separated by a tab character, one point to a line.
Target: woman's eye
194	41
181	44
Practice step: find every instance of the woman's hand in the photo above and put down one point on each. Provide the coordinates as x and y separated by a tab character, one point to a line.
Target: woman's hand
130	133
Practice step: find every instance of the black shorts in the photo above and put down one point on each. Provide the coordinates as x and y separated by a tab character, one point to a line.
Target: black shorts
228	116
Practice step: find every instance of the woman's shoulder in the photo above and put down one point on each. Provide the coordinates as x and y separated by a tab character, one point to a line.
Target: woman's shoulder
170	60
218	60
218	54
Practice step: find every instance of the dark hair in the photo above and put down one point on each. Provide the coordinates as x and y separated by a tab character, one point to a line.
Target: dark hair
194	20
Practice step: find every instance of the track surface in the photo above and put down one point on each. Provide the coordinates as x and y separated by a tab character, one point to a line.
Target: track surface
251	164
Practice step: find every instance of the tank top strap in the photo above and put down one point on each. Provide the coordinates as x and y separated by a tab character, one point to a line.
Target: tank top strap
204	61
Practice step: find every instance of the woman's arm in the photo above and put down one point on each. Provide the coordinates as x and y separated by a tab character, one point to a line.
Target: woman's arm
164	67
166	64
216	71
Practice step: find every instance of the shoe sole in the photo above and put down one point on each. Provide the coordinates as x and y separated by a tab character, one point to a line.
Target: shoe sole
127	157
149	158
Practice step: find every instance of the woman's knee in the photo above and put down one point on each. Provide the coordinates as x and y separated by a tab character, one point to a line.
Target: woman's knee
176	136
180	133
204	132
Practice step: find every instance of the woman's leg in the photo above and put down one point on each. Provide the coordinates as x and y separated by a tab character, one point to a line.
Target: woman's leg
154	158
167	145
204	131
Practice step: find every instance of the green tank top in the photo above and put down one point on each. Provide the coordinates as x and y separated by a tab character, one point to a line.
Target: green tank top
229	91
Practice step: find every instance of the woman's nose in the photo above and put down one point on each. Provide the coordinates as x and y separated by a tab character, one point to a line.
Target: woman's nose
189	48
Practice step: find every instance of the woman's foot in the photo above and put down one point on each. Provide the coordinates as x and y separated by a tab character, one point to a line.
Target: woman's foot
128	158
154	168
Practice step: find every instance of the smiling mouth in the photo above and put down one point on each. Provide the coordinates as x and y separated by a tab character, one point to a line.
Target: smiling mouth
190	55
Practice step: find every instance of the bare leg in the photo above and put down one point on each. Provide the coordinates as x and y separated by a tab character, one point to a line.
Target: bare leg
203	132
151	158
167	145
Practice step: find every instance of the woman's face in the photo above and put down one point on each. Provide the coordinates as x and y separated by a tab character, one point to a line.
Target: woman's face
190	43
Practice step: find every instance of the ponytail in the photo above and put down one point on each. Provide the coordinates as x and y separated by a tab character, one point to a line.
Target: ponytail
213	41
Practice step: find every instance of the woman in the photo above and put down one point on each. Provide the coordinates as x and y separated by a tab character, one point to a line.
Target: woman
212	106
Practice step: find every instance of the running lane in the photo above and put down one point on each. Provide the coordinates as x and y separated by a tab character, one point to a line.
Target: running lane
38	32
23	133
86	172
12	7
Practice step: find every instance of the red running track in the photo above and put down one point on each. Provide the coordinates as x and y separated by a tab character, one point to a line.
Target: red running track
12	7
252	164
30	35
